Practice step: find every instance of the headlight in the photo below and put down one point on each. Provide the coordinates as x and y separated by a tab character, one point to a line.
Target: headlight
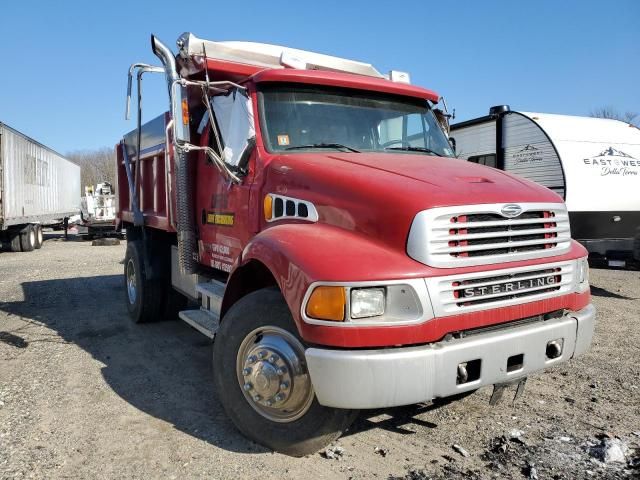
353	304
367	302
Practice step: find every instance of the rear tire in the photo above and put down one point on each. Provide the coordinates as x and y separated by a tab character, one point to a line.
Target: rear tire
28	238
39	236
294	423
144	296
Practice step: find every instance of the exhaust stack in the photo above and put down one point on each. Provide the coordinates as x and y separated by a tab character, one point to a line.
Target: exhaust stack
184	194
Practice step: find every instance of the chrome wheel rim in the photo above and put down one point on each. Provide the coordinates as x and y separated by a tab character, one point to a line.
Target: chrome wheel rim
131	281
40	236
32	237
273	376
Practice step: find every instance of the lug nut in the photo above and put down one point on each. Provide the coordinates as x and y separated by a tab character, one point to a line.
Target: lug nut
262	354
284	385
269	403
246	371
247	387
253	359
273	359
279	397
281	371
257	398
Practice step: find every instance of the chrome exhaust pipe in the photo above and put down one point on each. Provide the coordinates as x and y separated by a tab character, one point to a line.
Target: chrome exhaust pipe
185	225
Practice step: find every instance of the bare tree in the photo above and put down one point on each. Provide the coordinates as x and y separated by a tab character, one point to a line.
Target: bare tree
612	113
96	166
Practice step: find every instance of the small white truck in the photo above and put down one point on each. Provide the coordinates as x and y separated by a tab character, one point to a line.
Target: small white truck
98	211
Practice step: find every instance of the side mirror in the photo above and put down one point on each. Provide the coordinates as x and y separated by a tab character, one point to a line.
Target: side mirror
246	154
452	141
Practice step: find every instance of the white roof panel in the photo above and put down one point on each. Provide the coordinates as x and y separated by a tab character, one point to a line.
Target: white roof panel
269	56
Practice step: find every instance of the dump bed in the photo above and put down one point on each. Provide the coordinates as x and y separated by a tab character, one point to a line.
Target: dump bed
151	186
37	184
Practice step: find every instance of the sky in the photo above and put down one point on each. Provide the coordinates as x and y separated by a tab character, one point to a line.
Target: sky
64	63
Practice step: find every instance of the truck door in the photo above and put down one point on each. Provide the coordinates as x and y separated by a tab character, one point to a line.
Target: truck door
222	206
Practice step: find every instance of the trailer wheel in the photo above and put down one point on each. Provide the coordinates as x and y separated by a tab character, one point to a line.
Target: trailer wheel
144	297
28	238
39	236
262	380
14	238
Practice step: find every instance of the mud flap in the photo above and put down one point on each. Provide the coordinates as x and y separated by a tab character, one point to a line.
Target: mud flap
499	389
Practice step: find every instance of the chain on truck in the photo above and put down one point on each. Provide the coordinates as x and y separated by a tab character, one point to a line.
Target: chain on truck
312	212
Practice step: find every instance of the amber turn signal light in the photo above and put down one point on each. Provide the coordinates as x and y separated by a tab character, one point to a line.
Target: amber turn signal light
185	112
268	207
327	303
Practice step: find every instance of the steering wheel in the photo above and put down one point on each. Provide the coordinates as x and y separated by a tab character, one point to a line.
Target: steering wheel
403	143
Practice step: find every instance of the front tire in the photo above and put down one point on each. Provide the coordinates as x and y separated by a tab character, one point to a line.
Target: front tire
262	380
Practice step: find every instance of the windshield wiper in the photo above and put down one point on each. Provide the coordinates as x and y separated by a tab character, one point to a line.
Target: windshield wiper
415	149
323	145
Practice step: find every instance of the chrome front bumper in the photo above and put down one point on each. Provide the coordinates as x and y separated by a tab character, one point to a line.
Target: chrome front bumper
403	376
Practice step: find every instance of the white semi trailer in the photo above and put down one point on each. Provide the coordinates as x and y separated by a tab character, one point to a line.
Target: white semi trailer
592	163
37	187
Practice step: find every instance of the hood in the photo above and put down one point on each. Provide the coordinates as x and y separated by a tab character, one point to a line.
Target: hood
439	181
379	194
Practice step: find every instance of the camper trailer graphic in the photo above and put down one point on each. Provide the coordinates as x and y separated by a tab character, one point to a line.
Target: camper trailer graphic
528	154
614	162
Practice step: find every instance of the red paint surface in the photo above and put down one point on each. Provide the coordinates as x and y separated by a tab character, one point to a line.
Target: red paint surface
366	203
344	80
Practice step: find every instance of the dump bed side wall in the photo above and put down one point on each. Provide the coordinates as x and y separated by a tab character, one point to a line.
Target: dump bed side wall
38	184
151	187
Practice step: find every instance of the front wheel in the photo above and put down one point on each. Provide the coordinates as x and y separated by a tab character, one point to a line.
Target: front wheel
262	379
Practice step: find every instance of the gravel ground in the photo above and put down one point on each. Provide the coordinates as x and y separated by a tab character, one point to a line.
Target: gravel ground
86	394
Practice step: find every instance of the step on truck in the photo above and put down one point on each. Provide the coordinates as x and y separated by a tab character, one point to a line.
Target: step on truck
38	188
307	213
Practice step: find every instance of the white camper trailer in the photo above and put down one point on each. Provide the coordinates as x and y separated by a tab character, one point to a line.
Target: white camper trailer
593	163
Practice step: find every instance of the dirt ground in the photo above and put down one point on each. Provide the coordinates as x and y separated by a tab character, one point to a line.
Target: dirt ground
86	394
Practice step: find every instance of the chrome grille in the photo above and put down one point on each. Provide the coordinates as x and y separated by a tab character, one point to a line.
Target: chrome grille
474	291
480	234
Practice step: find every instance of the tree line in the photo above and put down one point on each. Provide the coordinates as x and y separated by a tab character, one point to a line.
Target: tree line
611	113
96	166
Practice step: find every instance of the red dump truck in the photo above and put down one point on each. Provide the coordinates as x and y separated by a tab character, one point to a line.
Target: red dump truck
313	214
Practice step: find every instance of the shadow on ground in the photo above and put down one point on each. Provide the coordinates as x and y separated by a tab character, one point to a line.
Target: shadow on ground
162	369
603	292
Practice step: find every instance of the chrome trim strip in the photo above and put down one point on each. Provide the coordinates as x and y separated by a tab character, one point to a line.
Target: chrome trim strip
312	213
445	304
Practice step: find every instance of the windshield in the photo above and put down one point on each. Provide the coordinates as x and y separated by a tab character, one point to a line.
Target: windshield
302	118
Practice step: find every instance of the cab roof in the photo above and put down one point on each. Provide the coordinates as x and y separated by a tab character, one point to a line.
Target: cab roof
344	80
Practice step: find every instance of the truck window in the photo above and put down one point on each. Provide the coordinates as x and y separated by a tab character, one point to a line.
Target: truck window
298	117
488	160
234	120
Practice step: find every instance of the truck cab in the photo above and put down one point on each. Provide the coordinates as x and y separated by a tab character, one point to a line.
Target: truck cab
340	255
